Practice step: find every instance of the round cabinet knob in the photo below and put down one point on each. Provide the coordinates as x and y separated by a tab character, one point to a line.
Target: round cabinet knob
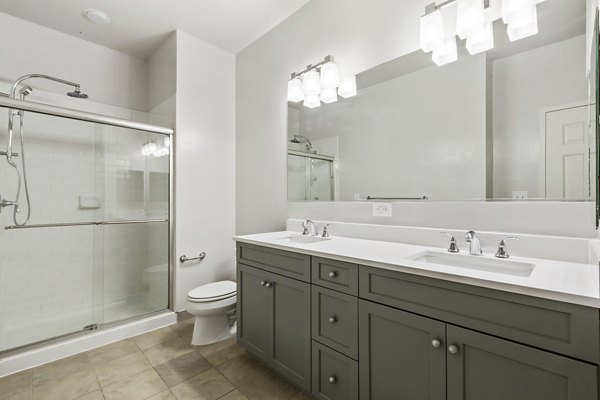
332	274
263	283
268	284
453	349
332	320
332	379
436	343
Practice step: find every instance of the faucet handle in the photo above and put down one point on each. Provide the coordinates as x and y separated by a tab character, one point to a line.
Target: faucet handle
453	245
470	236
325	233
502	252
305	228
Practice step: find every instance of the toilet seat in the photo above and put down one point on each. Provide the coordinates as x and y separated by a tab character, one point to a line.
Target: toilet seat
212	292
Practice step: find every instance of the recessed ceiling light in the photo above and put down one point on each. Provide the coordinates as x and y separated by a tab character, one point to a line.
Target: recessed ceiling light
96	16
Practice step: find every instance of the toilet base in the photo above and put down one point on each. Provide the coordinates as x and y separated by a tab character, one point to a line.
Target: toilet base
211	329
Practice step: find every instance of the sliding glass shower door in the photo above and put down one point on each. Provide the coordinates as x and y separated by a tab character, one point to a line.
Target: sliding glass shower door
96	248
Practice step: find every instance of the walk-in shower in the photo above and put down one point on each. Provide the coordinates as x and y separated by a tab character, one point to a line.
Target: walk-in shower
87	244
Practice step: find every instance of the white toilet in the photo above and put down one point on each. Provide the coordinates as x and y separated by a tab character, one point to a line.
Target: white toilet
213	306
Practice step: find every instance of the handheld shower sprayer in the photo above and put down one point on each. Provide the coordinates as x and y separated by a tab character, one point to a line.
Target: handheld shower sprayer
22	172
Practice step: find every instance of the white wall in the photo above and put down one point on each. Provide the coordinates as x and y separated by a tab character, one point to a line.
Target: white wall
359	34
205	164
107	76
523	86
407	138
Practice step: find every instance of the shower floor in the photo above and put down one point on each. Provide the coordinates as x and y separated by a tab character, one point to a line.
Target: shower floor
26	331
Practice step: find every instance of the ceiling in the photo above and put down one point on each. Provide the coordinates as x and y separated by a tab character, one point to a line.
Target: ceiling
138	27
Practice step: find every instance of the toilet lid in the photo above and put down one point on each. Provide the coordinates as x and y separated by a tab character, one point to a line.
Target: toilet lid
213	291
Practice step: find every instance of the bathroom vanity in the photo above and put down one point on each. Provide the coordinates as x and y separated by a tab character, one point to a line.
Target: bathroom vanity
342	320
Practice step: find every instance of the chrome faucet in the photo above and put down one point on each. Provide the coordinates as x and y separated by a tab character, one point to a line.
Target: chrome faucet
453	248
309	228
502	252
474	244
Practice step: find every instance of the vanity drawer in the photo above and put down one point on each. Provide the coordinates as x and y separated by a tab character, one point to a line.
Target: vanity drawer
334	376
336	275
559	327
286	263
335	320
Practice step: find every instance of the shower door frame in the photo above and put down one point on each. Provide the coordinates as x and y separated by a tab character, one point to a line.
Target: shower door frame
62	112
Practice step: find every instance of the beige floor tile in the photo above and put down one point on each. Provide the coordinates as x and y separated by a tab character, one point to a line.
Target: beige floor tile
20	396
166	395
137	387
181	368
268	387
184	328
121	368
68	387
301	396
235	395
15	384
168	350
242	369
60	368
218	353
112	351
153	338
95	395
209	385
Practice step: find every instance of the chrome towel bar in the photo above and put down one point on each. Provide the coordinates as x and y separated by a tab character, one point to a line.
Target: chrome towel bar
184	258
58	225
398	198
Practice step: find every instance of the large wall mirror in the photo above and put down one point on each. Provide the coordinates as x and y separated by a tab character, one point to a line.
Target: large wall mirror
514	123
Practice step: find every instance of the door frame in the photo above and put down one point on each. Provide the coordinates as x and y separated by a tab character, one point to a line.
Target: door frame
542	135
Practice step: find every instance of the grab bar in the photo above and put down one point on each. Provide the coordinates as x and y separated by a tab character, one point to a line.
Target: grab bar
398	198
58	225
184	258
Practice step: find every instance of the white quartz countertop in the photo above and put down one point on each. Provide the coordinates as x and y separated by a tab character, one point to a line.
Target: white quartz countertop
556	280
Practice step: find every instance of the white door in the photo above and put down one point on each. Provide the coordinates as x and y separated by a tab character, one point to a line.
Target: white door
569	158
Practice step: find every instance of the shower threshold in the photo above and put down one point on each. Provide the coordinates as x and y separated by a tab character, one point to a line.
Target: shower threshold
30	356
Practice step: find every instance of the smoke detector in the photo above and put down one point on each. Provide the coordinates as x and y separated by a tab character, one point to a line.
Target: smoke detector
96	16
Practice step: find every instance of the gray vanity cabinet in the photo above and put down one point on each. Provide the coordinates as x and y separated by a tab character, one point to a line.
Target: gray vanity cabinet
485	367
402	355
274	322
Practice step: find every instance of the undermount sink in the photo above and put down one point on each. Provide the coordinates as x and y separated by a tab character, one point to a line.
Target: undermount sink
299	238
499	266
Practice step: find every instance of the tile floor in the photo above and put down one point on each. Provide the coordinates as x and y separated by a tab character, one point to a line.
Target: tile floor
158	365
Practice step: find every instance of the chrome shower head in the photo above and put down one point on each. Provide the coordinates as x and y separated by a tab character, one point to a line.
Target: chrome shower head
26	91
295	140
77	94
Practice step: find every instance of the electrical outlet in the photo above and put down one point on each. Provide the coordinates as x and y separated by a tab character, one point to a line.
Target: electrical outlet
520	194
382	209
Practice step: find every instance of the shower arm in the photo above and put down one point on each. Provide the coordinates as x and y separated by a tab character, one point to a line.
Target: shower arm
13	90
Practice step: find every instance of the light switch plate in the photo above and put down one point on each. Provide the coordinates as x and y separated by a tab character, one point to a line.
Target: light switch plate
382	209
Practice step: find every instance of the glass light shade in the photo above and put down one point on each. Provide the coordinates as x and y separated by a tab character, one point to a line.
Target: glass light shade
167	142
446	53
518	13
311	84
347	87
329	95
523	28
484	42
295	92
470	19
330	75
152	147
312	101
432	31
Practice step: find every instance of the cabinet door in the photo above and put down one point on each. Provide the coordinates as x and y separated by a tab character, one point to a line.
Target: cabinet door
401	355
290	329
254	299
484	367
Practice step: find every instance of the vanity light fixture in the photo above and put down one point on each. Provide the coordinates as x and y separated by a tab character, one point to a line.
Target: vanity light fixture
151	148
320	83
472	21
